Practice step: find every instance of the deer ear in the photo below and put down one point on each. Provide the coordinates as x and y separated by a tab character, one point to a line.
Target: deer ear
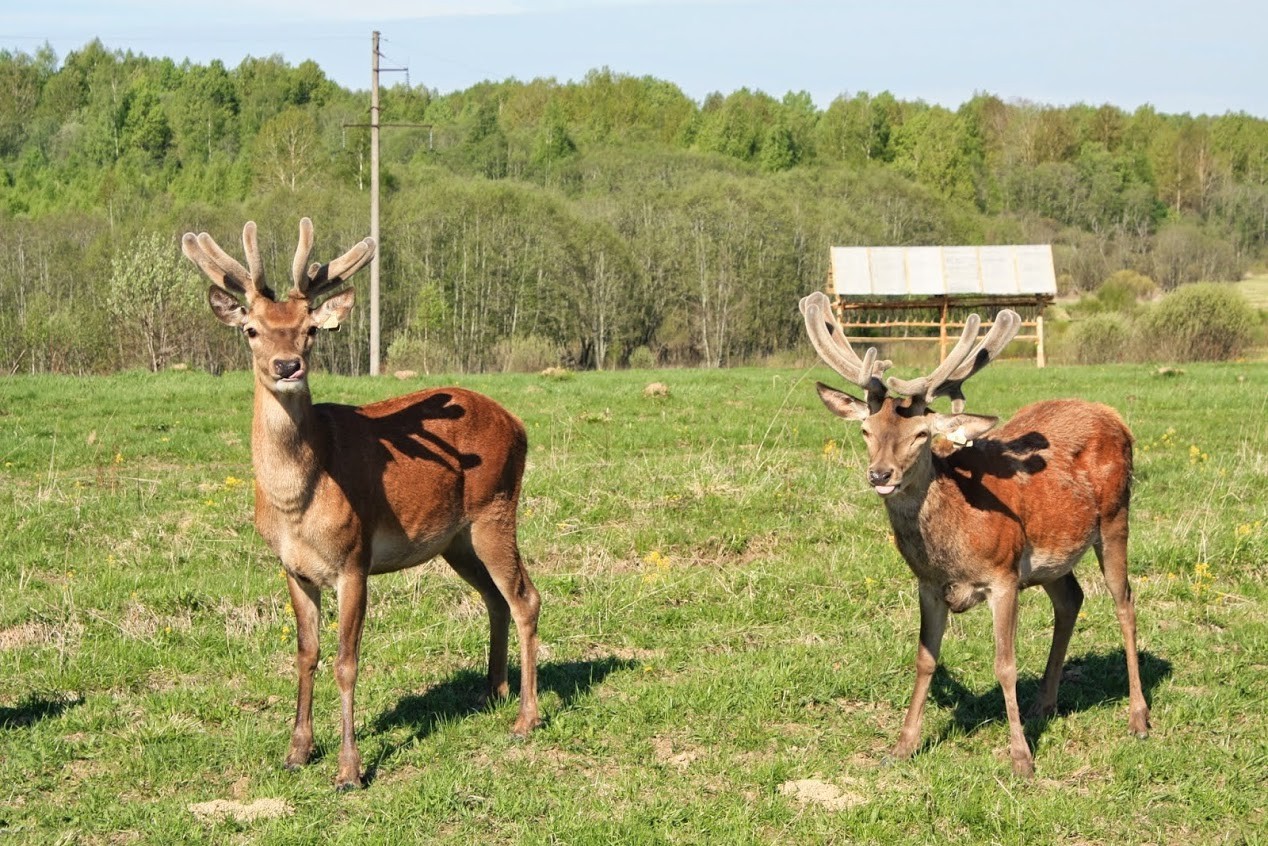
226	307
334	310
842	404
963	429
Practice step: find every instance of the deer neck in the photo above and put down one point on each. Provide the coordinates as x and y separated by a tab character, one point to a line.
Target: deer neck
285	448
904	509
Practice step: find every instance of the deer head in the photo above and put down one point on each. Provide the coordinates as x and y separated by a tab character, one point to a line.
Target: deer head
899	428
280	333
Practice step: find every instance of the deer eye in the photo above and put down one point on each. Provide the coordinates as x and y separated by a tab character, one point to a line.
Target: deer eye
251	332
312	331
920	436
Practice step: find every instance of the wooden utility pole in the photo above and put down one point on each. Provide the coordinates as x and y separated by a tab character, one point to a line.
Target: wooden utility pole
375	124
374	206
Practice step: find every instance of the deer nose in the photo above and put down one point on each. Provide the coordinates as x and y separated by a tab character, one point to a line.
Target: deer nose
879	477
287	367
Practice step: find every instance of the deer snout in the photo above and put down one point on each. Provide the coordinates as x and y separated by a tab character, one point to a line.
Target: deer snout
881	479
288	368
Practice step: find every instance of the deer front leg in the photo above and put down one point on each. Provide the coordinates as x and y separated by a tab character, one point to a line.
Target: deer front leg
933	622
351	589
306	603
1003	601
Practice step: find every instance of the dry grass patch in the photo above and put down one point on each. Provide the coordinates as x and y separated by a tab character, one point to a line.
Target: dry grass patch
30	633
143	623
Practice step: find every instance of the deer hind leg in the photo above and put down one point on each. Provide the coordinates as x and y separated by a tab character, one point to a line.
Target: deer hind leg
467	564
1067	598
933	623
493	540
1003	601
306	601
1111	551
352	600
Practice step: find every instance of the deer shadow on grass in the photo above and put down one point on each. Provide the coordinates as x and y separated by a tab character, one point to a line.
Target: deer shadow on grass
459	697
34	709
1087	682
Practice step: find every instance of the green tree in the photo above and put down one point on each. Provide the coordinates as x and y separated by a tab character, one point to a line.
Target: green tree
286	150
154	294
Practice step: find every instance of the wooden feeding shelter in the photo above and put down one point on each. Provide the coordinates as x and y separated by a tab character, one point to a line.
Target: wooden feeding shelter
923	294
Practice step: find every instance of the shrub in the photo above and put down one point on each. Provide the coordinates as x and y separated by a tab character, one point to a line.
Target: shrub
1100	339
642	359
410	352
1203	322
1124	289
526	354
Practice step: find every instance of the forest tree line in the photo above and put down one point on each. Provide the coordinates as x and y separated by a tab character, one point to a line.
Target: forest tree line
595	221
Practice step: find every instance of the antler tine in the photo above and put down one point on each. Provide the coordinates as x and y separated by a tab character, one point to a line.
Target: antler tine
1003	330
252	247
323	277
304	248
926	386
219	267
830	342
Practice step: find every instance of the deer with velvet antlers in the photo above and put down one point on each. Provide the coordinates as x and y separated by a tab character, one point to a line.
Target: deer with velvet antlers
980	512
343	493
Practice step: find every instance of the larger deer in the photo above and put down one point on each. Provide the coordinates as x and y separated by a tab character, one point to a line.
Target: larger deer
342	493
990	511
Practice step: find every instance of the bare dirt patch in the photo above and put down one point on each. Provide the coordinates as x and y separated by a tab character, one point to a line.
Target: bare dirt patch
244	812
813	791
680	756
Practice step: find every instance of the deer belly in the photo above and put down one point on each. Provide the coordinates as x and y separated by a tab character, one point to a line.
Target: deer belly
392	550
1039	567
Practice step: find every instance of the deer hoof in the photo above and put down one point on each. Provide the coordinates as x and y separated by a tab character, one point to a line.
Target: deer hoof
348	785
1024	768
1040	711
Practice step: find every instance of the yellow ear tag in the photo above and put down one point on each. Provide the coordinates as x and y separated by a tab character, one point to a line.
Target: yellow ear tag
959	437
331	322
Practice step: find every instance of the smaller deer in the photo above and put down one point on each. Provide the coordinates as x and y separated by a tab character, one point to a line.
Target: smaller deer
342	493
986	512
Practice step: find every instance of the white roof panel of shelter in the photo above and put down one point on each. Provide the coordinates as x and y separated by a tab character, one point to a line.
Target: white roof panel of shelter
938	271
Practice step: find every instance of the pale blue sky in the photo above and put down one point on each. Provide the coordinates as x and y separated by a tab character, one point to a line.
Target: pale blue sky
1178	55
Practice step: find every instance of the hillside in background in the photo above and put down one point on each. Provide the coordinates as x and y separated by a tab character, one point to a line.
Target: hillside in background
595	221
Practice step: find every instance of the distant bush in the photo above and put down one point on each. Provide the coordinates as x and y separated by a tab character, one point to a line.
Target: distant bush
526	354
642	359
1203	322
410	352
1099	339
1124	289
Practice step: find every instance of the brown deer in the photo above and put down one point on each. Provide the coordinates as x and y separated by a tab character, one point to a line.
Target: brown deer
984	512
342	492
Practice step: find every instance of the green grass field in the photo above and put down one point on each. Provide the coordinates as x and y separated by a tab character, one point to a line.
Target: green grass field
728	631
